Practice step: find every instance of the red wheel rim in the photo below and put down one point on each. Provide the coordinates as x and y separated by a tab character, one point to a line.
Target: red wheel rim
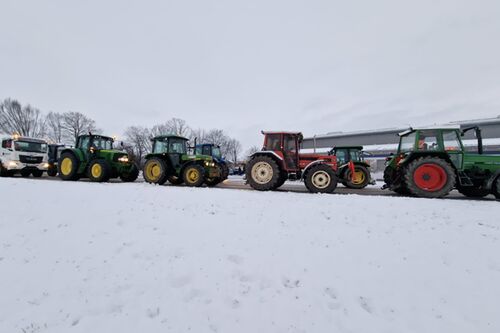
430	177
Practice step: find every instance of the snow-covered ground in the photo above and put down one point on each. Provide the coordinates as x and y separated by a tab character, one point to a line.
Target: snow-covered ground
83	257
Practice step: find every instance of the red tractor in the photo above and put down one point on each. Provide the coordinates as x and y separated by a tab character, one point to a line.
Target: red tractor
280	160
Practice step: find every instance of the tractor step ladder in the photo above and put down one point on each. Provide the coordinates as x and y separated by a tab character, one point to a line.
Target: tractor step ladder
464	179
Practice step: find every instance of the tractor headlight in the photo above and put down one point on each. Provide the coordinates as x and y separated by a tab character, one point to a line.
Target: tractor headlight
209	164
123	159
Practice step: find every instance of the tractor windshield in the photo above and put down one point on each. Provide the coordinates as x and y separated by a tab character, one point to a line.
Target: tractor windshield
355	155
31	147
273	142
177	146
160	146
216	152
102	143
407	142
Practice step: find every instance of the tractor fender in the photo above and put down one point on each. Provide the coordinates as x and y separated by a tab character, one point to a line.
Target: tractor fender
267	152
492	179
313	163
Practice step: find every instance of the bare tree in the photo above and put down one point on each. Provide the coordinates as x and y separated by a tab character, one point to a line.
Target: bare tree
139	140
75	124
251	150
234	147
25	120
174	126
55	129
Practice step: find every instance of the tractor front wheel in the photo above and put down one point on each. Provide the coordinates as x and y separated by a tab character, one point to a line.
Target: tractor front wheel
359	180
155	171
130	176
263	173
321	178
194	175
225	171
98	171
68	167
473	192
429	177
52	171
496	188
213	181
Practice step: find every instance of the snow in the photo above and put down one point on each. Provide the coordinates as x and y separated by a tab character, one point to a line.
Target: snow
84	257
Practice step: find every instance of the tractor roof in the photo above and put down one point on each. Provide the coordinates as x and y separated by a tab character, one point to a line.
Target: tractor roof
96	136
169	136
349	147
281	132
207	144
437	127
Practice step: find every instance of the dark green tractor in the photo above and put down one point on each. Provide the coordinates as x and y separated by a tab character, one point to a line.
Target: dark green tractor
95	158
361	176
431	162
213	150
170	161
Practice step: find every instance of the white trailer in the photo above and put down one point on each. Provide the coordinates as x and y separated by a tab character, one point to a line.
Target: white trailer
27	156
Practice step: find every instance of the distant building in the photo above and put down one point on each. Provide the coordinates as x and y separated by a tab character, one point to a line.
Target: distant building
380	143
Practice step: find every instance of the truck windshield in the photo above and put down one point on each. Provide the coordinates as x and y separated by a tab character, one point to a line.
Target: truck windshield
31	147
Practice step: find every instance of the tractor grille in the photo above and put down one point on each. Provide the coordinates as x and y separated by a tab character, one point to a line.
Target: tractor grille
30	159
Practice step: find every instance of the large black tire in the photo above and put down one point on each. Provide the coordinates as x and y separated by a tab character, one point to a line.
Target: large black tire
263	173
429	177
320	178
3	171
174	180
496	188
25	173
52	171
281	181
473	192
361	182
99	171
67	167
37	173
225	171
130	176
155	171
193	175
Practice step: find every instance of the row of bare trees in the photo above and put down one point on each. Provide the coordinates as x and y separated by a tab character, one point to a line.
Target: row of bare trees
139	138
27	120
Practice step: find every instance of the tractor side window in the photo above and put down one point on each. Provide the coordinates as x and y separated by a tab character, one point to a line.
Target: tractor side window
7	144
160	147
354	155
427	140
198	151
177	146
407	142
273	142
451	141
290	144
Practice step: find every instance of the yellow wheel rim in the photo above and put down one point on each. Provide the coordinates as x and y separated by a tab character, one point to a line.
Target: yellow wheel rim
66	166
96	171
358	177
193	175
153	171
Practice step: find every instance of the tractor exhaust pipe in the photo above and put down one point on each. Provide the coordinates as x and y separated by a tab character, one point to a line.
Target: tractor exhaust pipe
479	141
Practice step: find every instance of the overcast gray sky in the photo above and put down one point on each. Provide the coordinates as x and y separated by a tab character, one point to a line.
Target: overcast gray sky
315	65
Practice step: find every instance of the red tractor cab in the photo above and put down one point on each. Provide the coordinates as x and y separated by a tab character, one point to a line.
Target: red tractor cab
280	160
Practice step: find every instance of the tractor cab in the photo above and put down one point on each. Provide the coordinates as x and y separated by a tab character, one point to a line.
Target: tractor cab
208	149
286	145
172	145
92	143
345	154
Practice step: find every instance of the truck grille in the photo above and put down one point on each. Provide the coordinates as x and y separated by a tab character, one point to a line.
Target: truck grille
30	159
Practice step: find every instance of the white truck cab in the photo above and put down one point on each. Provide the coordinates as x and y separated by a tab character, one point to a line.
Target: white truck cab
27	156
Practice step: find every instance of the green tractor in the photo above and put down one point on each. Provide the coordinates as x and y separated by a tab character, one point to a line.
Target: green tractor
170	161
95	158
430	163
361	176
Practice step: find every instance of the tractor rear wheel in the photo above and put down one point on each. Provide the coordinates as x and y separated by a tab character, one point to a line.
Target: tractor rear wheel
37	173
360	179
130	176
174	180
496	188
194	175
281	181
68	167
321	178
473	192
263	173
155	171
98	171
429	177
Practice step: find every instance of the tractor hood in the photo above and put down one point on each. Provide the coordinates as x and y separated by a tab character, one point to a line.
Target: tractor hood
112	154
201	157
